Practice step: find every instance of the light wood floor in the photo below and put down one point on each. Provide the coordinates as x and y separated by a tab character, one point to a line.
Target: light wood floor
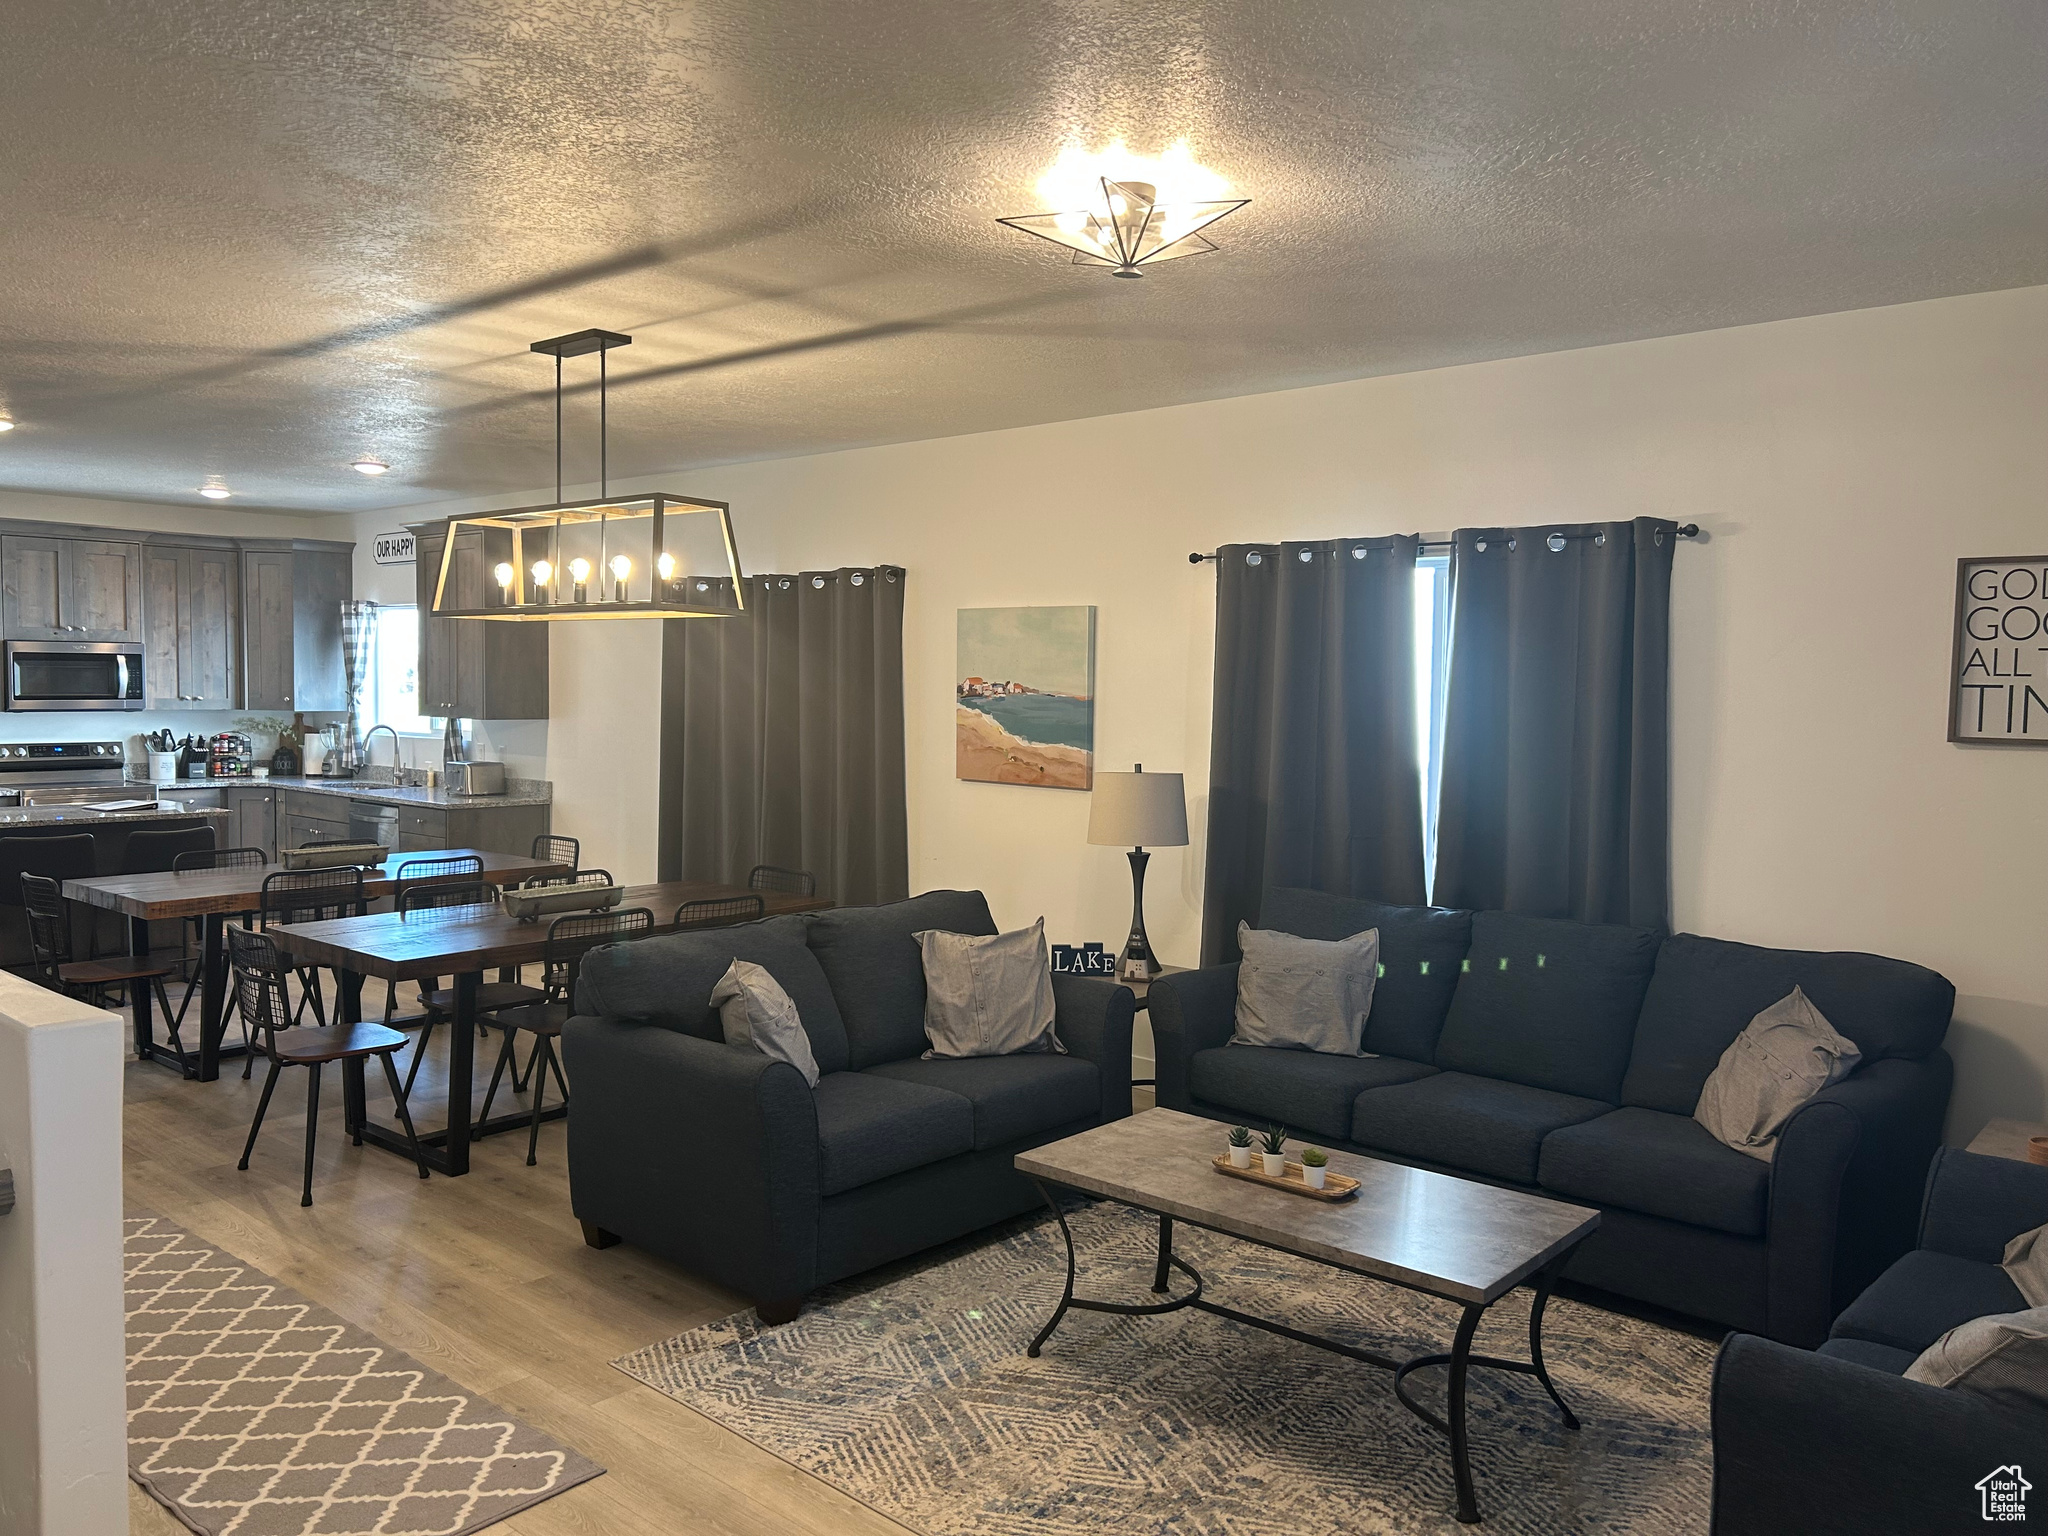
486	1279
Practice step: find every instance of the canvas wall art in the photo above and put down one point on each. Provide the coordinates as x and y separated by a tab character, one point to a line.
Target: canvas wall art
1024	703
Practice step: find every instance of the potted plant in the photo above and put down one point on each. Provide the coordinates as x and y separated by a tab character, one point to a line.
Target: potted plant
1273	1150
1315	1166
1240	1146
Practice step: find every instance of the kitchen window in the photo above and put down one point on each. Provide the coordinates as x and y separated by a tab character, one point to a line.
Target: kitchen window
392	691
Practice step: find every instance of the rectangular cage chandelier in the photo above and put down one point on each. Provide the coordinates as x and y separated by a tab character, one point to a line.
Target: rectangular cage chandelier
647	556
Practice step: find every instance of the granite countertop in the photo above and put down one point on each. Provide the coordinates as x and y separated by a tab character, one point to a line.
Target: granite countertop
379	790
85	816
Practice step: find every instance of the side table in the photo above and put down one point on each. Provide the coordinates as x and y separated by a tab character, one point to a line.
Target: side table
2006	1138
1139	989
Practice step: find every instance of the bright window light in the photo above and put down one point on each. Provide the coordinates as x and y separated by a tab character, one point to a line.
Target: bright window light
393	694
1432	672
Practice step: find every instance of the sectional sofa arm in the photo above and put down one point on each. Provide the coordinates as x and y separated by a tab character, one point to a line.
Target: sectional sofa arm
696	1151
1826	1447
1976	1204
1192	1011
1093	1017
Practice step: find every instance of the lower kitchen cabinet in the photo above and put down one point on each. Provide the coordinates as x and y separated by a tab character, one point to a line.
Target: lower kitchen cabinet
255	818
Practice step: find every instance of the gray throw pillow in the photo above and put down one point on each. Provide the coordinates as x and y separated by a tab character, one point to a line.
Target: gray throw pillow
2003	1357
757	1012
1782	1058
987	995
2026	1262
1305	994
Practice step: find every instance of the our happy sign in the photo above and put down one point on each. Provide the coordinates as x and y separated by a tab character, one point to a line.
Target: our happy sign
1998	680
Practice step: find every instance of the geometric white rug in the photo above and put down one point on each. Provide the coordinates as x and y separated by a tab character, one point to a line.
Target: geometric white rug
255	1412
910	1390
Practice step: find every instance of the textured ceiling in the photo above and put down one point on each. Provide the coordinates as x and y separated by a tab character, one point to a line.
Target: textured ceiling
255	239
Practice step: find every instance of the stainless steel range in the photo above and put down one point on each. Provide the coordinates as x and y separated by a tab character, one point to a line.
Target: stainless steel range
63	773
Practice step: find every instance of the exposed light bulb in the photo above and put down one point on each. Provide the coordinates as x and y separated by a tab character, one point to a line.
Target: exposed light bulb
370	467
579	570
214	491
504	572
543	573
6	425
621	567
666	565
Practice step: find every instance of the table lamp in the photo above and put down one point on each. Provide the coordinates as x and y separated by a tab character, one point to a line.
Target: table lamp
1132	810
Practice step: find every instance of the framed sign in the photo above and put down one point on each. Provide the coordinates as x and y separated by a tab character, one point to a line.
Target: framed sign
393	549
1998	676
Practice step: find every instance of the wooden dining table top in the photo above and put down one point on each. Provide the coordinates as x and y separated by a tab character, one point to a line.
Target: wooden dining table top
437	941
196	892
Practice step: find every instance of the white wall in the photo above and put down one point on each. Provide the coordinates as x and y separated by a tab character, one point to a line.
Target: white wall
63	1354
1840	464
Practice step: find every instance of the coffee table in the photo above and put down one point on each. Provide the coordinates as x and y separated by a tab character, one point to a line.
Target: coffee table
1466	1242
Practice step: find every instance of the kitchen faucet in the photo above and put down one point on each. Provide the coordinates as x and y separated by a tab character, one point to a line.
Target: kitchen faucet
397	752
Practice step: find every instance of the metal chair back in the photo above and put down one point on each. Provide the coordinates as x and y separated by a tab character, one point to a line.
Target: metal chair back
411	873
791	882
576	877
155	851
557	849
54	858
49	927
311	895
445	899
219	858
719	913
259	971
571	938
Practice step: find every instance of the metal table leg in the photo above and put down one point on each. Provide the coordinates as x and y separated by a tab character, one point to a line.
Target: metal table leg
145	1030
213	993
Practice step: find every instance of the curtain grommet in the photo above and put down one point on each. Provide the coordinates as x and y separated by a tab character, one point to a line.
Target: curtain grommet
858	579
1253	557
1358	551
817	581
1555	543
890	577
1305	555
1511	546
1480	545
1600	539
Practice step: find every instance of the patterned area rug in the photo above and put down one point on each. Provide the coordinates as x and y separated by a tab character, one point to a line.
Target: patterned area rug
913	1393
254	1412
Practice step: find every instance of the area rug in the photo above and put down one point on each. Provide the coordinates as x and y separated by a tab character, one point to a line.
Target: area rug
254	1412
914	1395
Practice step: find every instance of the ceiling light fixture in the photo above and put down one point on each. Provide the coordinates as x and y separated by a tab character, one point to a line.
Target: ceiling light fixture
370	467
6	425
1126	211
213	490
670	557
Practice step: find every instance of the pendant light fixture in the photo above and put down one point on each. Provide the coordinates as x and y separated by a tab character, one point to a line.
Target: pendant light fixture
649	556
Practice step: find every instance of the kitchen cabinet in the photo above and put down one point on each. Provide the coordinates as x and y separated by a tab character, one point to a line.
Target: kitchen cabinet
55	588
253	823
191	612
304	818
291	625
476	669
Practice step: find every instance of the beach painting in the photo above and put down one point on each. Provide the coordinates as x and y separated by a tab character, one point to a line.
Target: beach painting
1024	702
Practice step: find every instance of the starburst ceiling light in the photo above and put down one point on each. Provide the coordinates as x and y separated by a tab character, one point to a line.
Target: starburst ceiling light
669	557
1127	211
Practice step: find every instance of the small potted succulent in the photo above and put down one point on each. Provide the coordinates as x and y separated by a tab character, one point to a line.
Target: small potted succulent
1273	1150
1240	1146
1315	1166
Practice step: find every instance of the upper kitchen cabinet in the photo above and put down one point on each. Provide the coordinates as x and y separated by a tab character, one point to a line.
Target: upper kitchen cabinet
70	589
191	607
474	668
291	624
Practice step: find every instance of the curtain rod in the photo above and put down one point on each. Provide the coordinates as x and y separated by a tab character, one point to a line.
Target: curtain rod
1437	546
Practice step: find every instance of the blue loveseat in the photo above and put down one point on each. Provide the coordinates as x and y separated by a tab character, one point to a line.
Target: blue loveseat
726	1162
1567	1058
1836	1442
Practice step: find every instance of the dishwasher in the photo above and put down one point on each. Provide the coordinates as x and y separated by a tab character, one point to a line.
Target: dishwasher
369	822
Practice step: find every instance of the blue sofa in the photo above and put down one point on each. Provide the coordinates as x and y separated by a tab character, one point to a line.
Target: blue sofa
727	1163
1567	1058
1836	1442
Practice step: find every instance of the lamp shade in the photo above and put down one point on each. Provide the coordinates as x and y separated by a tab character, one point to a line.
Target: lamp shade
1138	810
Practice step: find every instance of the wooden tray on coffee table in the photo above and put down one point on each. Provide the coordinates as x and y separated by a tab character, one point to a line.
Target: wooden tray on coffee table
1336	1186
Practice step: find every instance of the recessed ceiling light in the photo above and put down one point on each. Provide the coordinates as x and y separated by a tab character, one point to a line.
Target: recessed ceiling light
213	490
370	466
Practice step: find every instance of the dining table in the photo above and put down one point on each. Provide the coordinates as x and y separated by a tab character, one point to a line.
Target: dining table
216	895
465	942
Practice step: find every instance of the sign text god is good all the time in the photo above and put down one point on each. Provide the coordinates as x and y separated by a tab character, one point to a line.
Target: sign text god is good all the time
1998	680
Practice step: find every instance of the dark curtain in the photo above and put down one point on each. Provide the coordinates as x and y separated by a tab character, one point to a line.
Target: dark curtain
1312	773
782	739
1555	793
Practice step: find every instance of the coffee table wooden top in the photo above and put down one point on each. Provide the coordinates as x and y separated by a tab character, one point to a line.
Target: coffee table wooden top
1451	1237
200	891
440	940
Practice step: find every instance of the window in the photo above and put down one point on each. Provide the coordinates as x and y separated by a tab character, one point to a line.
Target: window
392	694
1432	671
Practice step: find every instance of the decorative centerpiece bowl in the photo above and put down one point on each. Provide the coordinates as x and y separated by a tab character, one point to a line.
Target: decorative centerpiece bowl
333	855
531	903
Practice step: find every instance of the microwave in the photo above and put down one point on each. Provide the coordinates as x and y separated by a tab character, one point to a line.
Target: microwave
73	674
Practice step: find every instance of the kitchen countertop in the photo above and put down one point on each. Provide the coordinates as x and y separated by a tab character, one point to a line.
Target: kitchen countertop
83	816
517	791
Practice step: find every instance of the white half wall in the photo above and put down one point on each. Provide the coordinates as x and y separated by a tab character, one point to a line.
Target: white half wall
63	1351
1840	465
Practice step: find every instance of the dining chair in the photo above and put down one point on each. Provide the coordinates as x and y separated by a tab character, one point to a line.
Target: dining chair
557	849
60	859
791	882
404	873
427	903
260	972
153	851
569	939
573	877
720	912
49	938
191	930
310	896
